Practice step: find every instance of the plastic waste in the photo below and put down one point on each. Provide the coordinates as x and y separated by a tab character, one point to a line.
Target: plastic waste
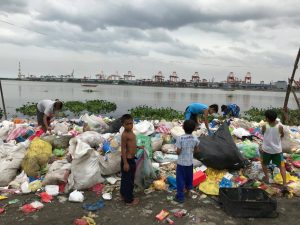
32	207
93	206
159	185
107	196
198	177
180	213
52	190
76	196
2	210
25	188
45	197
35	185
225	183
162	215
172	182
59	152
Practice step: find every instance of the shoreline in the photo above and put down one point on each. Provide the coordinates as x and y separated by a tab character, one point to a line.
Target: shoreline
135	83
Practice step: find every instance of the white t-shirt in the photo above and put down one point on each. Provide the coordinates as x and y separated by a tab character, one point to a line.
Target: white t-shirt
187	144
272	140
46	107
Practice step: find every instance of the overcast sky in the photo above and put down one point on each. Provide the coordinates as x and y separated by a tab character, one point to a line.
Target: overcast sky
145	36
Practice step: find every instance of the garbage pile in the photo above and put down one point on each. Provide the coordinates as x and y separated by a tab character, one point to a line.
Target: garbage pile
84	154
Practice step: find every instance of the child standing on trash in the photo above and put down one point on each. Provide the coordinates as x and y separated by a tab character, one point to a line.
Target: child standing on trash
128	166
186	145
271	147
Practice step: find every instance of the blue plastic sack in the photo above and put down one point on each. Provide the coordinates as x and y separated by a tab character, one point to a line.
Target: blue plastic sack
172	182
225	183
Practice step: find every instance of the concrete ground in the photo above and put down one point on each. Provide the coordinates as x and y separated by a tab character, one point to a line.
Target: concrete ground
201	210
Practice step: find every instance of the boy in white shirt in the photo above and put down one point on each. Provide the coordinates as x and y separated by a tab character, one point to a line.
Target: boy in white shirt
271	148
186	145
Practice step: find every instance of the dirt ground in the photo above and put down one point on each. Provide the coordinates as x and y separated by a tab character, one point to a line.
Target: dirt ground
202	211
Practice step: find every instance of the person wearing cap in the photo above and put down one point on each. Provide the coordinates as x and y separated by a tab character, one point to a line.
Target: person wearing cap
231	110
195	109
46	109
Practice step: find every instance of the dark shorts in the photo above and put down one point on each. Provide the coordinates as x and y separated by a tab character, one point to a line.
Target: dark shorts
40	119
193	116
276	159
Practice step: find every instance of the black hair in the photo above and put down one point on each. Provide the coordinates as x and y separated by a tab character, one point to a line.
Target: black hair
215	107
223	108
189	126
271	115
58	105
126	117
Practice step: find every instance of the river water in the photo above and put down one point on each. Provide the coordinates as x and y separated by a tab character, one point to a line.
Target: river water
17	93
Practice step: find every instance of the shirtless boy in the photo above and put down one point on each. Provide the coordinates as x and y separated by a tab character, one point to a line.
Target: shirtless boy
128	166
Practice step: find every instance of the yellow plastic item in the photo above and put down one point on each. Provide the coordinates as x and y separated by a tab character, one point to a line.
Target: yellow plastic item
159	185
294	188
36	157
211	185
289	178
2	197
35	185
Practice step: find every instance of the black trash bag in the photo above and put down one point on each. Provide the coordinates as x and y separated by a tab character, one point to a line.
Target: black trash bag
114	126
219	151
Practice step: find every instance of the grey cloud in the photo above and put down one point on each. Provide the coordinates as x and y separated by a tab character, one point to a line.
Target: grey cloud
165	14
13	6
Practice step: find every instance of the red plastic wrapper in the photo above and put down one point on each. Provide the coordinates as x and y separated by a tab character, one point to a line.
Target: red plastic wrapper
162	215
97	188
62	187
80	222
2	210
28	208
46	197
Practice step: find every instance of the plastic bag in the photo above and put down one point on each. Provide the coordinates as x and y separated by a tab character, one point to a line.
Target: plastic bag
289	178
85	168
76	196
145	128
159	185
16	183
211	185
57	172
240	132
52	190
177	131
144	174
110	163
158	156
156	143
11	156
36	157
142	140
248	149
169	149
60	128
92	138
220	151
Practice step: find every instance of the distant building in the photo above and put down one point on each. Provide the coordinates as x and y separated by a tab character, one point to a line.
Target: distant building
281	84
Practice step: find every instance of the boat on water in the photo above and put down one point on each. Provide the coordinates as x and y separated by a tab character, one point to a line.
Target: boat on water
89	85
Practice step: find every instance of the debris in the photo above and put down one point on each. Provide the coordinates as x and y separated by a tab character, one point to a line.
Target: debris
94	206
76	196
162	215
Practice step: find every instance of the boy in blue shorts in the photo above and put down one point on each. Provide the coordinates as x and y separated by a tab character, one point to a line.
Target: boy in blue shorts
186	145
271	147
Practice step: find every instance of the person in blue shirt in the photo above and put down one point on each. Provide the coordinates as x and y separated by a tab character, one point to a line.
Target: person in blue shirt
231	110
195	109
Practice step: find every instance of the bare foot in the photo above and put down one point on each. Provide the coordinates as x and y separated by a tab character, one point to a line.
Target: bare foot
134	202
